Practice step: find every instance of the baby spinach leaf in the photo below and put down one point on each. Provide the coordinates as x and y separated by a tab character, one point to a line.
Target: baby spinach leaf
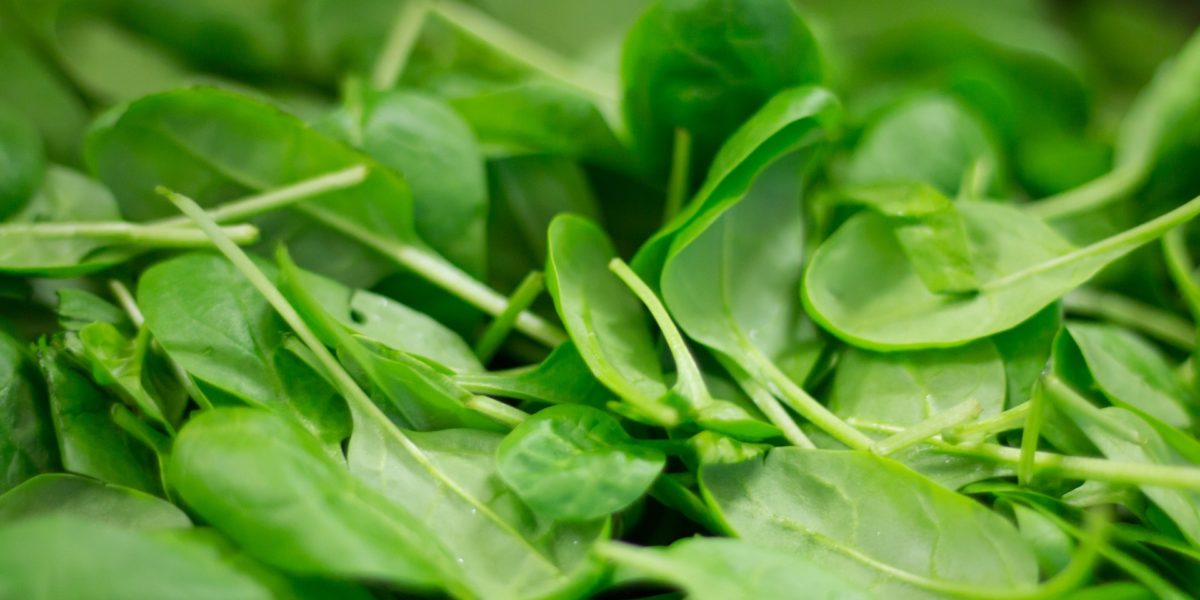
720	568
1129	371
905	388
931	139
604	319
576	463
818	503
26	435
426	142
89	442
39	92
80	308
210	320
705	66
85	498
1138	441
268	484
928	229
1022	265
21	161
793	120
1026	351
65	557
124	364
390	323
562	378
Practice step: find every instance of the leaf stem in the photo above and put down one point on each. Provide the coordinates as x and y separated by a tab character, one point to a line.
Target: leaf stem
406	30
977	431
1029	437
270	200
800	401
497	410
1182	272
675	496
1122	243
769	405
123	233
935	425
144	433
441	272
1151	320
497	331
689	380
680	175
1073	400
1096	193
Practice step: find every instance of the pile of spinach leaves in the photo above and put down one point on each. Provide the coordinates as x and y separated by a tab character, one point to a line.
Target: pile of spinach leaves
531	299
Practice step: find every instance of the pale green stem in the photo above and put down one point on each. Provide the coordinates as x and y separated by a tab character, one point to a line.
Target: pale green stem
680	176
928	428
1125	241
770	406
497	410
1103	190
1153	321
406	29
1008	420
122	233
1080	468
271	200
1182	272
151	437
1029	437
497	331
440	272
127	302
690	381
800	401
361	407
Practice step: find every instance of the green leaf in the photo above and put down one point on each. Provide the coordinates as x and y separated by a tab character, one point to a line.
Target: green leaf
1129	371
41	93
269	485
721	569
1026	351
63	557
425	141
575	463
21	161
1022	265
905	388
705	66
562	378
824	504
125	364
27	444
89	442
930	139
79	308
85	498
223	333
928	229
605	320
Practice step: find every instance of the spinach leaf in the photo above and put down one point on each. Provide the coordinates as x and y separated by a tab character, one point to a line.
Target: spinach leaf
80	308
605	320
269	485
40	93
931	139
217	327
905	388
426	142
1026	351
1022	265
719	568
1129	371
26	436
85	498
820	503
132	369
21	161
66	557
597	468
89	441
704	66
562	378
